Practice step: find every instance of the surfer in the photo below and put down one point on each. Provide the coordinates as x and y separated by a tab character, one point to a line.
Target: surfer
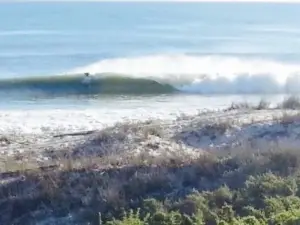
87	79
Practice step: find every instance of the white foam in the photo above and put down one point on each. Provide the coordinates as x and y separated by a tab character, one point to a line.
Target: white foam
105	112
208	74
57	121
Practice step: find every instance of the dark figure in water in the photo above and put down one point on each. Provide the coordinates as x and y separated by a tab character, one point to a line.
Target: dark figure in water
87	79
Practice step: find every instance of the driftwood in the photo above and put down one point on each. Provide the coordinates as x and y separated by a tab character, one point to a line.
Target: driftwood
80	133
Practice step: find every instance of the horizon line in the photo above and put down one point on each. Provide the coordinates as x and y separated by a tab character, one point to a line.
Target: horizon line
149	1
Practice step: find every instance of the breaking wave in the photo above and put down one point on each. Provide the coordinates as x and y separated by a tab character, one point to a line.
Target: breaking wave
76	85
168	74
207	74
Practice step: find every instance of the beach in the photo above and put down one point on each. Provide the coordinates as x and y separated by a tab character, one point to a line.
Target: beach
191	115
109	154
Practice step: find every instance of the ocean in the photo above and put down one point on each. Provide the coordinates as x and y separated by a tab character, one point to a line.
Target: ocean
146	60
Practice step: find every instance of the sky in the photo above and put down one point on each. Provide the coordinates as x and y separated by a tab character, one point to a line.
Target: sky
282	1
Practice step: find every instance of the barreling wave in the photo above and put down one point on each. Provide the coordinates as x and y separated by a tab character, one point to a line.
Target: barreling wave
169	74
74	85
207	74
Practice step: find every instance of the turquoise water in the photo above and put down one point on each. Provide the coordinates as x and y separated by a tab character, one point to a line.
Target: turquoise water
202	52
50	38
169	41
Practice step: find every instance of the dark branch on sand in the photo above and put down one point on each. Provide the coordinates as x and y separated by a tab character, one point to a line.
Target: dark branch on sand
75	134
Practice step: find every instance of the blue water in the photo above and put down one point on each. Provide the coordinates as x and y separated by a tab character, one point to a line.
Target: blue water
50	38
214	53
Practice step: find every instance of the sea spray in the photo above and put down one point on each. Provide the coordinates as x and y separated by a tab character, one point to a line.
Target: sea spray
206	74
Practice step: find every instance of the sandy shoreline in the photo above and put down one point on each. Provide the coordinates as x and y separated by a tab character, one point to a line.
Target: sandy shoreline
186	135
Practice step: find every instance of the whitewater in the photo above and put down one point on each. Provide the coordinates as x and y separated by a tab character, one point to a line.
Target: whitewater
146	60
206	74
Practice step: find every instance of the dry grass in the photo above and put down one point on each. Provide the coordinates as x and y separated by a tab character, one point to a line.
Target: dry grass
239	106
97	185
263	104
218	128
85	191
107	146
109	178
292	102
287	118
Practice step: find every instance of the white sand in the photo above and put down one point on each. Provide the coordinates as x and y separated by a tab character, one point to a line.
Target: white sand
186	136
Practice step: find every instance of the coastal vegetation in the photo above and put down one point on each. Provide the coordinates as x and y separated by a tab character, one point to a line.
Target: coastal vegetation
242	185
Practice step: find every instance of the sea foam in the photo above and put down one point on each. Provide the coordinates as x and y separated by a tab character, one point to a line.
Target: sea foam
206	74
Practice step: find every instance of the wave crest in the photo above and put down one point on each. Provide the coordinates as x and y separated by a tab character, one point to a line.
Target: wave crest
168	74
74	84
206	74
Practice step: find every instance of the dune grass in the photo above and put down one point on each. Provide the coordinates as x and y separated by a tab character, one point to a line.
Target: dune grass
292	102
231	181
244	186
